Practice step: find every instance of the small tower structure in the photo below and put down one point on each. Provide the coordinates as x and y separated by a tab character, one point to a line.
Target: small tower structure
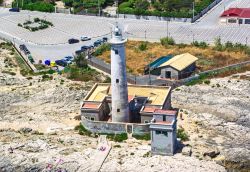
120	111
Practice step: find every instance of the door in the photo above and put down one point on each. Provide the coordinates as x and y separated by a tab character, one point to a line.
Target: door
167	74
129	128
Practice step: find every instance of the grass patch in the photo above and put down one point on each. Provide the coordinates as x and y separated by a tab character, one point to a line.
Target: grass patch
82	130
204	78
9	72
208	57
76	73
142	137
116	137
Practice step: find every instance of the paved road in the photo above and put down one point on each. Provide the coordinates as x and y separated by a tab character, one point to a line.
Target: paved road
52	43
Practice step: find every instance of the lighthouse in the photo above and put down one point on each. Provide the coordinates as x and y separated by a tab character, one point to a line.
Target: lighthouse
120	111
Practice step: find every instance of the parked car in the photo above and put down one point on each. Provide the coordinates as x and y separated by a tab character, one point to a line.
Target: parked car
61	63
14	10
73	41
26	51
77	52
84	48
31	58
22	47
85	38
98	42
69	57
104	39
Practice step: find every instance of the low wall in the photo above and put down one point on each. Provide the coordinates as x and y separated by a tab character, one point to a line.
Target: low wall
114	128
131	16
204	11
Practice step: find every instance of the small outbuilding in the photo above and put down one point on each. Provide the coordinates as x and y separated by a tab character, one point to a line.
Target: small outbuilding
163	133
236	16
177	67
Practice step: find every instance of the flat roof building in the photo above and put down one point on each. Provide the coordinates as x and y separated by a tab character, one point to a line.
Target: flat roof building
97	103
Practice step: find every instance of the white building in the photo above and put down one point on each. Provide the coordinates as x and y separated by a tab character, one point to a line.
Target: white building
236	16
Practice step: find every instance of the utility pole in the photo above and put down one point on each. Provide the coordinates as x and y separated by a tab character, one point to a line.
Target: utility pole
117	9
167	29
99	8
193	12
149	74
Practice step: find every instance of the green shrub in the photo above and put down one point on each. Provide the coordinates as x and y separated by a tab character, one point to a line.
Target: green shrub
117	146
167	41
36	20
82	130
218	45
143	46
39	6
9	72
207	82
142	137
200	44
116	137
101	49
182	135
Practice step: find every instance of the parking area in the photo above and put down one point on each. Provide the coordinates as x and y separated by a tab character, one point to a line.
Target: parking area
52	43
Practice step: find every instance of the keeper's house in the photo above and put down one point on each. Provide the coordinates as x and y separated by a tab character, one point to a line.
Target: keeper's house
236	16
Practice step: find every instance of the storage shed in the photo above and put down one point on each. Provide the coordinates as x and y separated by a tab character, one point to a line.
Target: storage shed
177	67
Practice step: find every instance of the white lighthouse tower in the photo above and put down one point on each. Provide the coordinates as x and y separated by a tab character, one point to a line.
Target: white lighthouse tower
120	112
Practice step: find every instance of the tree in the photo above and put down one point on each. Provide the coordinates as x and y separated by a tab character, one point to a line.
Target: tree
141	4
81	60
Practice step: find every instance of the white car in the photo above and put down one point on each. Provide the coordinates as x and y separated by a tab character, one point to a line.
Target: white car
85	38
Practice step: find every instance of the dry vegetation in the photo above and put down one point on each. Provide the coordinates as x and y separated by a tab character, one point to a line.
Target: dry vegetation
208	57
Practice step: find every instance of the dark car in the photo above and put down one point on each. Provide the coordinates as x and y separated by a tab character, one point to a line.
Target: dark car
69	57
22	47
14	10
26	51
97	42
73	41
77	52
84	48
104	39
61	63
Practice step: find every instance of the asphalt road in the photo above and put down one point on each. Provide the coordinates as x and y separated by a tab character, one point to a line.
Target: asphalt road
52	43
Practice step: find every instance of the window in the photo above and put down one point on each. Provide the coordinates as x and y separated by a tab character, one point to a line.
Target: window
118	110
247	21
116	51
161	132
231	20
164	117
145	122
92	118
117	80
240	21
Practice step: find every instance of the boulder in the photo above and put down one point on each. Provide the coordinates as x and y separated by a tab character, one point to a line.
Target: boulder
187	151
211	153
25	130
